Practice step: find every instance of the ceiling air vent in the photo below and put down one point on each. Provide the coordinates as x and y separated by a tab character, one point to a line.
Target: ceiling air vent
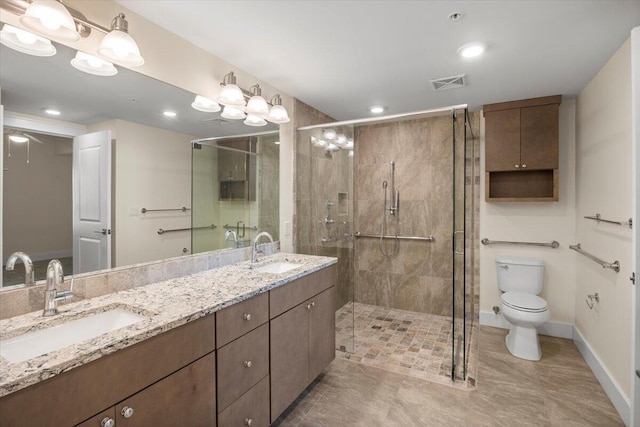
446	83
219	121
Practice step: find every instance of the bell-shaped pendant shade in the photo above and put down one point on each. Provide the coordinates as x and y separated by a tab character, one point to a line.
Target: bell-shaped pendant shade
206	105
253	120
120	47
93	65
258	106
51	19
278	114
232	113
231	95
26	42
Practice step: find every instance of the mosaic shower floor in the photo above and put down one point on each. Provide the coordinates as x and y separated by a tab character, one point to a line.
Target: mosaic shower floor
414	344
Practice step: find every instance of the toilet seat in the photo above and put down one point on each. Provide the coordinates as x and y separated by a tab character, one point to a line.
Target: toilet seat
524	302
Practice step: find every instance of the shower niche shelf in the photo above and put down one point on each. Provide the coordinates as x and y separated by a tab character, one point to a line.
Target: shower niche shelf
521	150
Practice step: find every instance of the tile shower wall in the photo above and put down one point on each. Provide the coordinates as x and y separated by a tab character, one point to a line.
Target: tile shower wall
419	276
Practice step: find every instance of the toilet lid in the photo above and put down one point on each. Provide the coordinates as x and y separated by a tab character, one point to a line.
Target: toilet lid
524	302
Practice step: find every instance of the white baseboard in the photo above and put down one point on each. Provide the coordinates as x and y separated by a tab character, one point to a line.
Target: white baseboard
552	329
610	386
567	330
50	255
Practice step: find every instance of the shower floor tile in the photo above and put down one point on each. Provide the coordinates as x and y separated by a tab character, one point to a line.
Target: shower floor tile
414	344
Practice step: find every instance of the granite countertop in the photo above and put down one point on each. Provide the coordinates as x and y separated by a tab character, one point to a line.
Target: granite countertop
167	305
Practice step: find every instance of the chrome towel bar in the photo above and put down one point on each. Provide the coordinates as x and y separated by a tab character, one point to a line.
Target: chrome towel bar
233	227
553	244
374	236
615	266
183	209
161	231
597	217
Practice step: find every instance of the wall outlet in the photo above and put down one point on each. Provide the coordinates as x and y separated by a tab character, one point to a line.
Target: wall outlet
134	211
287	228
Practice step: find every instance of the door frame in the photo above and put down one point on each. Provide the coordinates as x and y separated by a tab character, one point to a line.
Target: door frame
635	143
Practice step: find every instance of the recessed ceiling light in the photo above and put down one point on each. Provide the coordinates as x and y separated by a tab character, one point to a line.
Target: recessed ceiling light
471	50
51	112
376	109
169	113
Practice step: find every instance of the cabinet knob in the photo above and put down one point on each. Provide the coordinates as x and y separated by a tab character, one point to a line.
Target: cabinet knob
516	166
127	412
313	304
248	421
524	166
308	306
248	364
107	422
246	316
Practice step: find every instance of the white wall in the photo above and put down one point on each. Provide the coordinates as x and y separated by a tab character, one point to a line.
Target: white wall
153	171
604	185
535	222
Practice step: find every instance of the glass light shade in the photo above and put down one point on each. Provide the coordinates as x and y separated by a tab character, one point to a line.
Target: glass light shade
278	114
232	113
253	120
322	143
26	42
332	147
341	139
120	47
51	19
257	106
349	144
350	153
231	95
93	65
329	134
18	138
204	104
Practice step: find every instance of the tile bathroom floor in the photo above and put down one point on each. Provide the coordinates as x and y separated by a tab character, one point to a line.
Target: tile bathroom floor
414	344
559	390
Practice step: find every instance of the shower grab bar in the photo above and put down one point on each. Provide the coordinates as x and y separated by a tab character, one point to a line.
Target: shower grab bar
615	265
233	227
336	239
161	231
597	217
553	244
377	236
183	209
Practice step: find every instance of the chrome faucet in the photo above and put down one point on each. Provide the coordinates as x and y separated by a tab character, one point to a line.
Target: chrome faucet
29	277
254	248
235	237
52	293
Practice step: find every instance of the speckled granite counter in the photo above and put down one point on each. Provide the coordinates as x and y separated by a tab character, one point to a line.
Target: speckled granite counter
167	305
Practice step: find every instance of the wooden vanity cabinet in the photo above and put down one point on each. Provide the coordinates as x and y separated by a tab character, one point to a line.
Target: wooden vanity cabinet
521	150
302	337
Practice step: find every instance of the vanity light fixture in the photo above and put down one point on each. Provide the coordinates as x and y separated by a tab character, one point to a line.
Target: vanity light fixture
341	140
332	147
52	112
231	94
20	139
51	19
278	114
329	134
253	120
349	144
350	153
93	65
257	105
119	46
206	105
472	50
376	109
170	114
26	42
232	113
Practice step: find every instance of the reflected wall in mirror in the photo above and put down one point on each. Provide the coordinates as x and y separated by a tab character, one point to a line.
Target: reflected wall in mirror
61	201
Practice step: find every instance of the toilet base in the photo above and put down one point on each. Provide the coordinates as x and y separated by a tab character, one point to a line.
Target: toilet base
523	343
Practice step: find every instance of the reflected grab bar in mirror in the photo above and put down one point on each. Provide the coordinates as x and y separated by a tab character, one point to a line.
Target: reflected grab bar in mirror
161	231
377	236
553	244
597	217
183	209
233	227
615	265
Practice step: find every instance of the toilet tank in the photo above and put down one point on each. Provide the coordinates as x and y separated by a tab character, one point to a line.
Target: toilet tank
520	274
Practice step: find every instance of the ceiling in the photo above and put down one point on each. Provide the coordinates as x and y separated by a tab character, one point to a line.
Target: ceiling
343	56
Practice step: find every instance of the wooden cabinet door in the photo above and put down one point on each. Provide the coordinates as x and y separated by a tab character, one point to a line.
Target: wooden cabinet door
502	140
289	357
185	398
322	331
539	137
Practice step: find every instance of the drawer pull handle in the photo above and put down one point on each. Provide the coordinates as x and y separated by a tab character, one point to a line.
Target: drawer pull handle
107	422
248	421
516	166
246	316
248	364
524	166
127	412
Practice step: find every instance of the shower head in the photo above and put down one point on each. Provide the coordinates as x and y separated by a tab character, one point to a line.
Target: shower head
384	184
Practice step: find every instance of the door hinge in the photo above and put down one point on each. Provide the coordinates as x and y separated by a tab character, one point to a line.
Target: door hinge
637	373
633	278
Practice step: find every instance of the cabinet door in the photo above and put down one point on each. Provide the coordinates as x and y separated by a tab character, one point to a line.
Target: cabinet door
322	331
185	398
539	137
502	140
289	357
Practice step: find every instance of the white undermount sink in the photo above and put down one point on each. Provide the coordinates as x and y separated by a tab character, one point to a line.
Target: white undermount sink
277	267
33	344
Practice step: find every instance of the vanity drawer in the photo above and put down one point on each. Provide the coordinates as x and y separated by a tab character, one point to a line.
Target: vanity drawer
251	409
288	296
238	319
241	364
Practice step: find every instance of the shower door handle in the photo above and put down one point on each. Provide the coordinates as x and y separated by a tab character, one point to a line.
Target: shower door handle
455	241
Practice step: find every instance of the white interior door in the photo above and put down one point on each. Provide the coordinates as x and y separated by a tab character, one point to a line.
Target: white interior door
92	202
635	138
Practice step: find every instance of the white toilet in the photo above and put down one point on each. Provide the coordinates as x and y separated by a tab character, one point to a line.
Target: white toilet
520	280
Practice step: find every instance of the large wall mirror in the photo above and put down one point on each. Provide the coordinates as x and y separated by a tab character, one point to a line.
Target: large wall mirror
112	181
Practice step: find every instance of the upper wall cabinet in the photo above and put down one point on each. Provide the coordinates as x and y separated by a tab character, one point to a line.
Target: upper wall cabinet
521	150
